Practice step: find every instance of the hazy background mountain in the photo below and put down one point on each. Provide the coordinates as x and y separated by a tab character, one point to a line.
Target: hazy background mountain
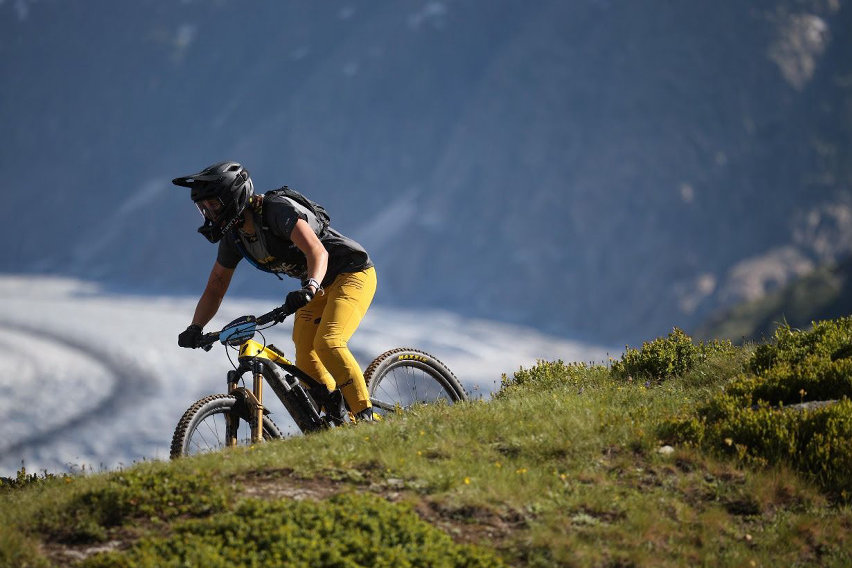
825	293
602	169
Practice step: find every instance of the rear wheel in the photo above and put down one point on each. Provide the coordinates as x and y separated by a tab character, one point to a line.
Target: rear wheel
402	377
204	426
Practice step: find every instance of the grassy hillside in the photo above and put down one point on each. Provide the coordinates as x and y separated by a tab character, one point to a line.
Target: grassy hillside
679	453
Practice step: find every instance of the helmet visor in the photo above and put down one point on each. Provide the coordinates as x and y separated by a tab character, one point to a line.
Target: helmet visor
210	208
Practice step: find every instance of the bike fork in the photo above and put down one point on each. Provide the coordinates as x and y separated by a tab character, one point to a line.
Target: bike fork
232	419
257	418
249	407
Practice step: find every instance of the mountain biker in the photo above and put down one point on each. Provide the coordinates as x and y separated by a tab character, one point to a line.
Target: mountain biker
281	235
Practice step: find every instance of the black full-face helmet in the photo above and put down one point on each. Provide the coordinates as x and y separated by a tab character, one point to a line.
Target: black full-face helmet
221	192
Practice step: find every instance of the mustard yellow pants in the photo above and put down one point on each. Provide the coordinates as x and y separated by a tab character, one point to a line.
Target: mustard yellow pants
321	333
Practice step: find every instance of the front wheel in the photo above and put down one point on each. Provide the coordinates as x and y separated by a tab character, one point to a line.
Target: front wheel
204	426
402	377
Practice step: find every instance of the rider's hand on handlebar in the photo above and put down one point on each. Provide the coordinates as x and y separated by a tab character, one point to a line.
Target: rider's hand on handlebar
297	299
279	314
191	337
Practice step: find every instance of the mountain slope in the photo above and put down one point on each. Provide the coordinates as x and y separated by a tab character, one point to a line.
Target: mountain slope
593	168
825	293
463	485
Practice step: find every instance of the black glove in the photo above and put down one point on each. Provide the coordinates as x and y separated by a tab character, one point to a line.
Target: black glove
297	299
190	337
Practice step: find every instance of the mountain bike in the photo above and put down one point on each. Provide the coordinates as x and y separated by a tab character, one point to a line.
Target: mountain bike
396	380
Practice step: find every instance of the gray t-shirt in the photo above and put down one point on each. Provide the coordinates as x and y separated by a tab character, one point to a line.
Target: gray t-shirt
272	249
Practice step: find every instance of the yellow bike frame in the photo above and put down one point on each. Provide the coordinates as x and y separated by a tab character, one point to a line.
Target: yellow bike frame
265	361
251	350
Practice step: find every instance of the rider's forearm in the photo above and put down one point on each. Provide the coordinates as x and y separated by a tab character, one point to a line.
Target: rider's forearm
207	307
306	241
211	299
317	263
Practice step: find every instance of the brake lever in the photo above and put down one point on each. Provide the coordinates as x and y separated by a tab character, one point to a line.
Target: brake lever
209	339
281	314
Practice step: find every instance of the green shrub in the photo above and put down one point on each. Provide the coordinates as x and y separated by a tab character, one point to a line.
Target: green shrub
346	530
665	357
800	366
133	494
825	447
814	378
672	356
549	375
830	339
816	442
23	479
748	420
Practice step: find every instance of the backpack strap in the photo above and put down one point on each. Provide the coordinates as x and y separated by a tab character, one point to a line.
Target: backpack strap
242	250
256	205
319	212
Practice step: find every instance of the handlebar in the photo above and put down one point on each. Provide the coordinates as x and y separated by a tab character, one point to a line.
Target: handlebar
274	316
207	340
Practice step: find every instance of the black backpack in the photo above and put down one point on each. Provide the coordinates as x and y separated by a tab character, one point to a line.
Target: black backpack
318	210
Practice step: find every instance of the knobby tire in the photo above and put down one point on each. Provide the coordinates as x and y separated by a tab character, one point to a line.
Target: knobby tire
406	376
187	429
